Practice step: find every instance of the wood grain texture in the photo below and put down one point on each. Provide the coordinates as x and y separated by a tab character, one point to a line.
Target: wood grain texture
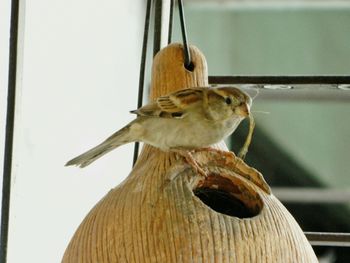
154	216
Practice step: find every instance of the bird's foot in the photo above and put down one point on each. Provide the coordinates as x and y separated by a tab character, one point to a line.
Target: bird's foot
191	161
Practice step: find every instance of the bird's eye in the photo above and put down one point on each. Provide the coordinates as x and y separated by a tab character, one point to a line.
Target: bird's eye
228	100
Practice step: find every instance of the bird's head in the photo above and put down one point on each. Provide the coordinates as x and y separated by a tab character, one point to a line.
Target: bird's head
226	102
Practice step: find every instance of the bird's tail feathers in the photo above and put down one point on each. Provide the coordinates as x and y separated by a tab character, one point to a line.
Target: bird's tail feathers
114	141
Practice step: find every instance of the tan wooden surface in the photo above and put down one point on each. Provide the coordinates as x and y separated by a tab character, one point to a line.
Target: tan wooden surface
154	216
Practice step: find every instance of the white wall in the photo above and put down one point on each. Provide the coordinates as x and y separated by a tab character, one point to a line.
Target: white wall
4	43
80	79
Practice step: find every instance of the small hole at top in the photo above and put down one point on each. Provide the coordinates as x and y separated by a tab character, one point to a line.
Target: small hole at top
190	67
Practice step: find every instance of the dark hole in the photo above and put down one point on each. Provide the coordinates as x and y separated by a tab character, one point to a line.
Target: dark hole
190	67
224	203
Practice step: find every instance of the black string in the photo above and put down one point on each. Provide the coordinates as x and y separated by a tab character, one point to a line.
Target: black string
187	54
142	69
10	119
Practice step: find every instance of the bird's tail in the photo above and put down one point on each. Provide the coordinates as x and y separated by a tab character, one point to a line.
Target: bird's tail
114	141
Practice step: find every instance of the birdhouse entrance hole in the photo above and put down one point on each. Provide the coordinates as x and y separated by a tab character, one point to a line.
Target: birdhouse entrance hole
229	195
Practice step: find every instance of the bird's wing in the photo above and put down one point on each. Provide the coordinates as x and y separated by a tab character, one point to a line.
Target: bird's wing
173	105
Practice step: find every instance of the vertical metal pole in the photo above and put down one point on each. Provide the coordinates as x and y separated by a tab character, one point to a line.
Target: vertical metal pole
171	19
142	69
157	26
10	117
162	32
161	24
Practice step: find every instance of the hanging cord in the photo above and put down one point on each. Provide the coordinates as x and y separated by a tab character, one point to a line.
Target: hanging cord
187	55
142	70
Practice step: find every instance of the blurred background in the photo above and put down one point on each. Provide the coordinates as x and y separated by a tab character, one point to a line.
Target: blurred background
79	79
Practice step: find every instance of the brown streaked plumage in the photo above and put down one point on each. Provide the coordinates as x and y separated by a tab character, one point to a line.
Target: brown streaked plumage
186	119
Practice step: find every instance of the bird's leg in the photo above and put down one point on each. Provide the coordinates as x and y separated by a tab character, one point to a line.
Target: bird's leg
190	160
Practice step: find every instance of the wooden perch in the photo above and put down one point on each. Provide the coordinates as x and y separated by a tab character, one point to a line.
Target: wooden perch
164	212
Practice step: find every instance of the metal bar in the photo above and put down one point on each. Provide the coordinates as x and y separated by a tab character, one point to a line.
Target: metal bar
157	26
142	69
311	195
328	239
258	5
280	80
10	121
161	24
171	20
299	93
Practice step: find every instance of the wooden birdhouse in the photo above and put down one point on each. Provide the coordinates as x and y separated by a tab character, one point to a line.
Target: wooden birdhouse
165	212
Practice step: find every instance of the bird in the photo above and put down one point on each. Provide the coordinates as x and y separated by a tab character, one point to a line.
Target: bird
182	121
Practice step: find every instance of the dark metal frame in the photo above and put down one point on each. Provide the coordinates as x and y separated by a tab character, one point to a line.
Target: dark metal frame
142	69
328	239
281	80
10	122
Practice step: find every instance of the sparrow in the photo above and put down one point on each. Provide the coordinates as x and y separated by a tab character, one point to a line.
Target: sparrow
182	121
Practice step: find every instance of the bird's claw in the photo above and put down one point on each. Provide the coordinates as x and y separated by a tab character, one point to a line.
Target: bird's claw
200	171
192	162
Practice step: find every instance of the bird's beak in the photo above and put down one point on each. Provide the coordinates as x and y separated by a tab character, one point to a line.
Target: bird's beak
243	110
